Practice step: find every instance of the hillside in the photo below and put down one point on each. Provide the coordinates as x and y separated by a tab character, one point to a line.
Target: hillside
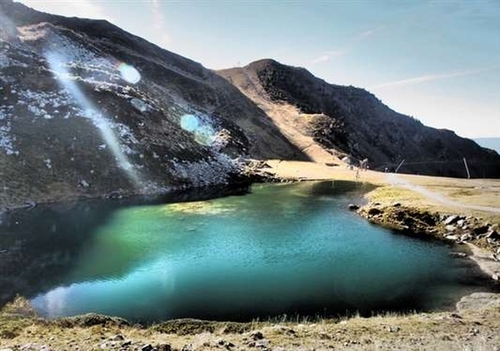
490	143
345	120
88	109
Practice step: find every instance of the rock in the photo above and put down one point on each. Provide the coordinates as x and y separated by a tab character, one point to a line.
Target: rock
455	254
450	228
164	347
477	301
117	337
114	195
262	344
392	329
374	211
353	207
461	222
466	237
257	335
452	237
127	343
187	347
481	230
396	204
147	347
493	235
83	183
221	342
451	219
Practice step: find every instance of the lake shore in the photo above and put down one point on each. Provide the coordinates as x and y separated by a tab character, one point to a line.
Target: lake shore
473	325
401	201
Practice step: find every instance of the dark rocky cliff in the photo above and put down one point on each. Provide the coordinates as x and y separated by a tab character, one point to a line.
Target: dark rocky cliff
354	122
87	109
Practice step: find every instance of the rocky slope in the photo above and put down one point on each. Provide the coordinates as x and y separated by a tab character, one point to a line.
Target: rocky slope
350	121
87	109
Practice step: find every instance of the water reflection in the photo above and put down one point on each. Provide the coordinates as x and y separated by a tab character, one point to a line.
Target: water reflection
281	249
39	248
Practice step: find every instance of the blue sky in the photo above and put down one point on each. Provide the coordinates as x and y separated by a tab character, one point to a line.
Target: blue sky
438	61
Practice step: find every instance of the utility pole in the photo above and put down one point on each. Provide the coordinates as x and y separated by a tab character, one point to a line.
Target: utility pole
397	169
467	168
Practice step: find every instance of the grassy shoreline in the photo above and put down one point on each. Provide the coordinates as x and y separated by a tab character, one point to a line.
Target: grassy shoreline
473	325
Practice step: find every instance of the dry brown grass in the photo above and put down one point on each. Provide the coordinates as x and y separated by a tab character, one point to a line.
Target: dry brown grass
465	192
464	330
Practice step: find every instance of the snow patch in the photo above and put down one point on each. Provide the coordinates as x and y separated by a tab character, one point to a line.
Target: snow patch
38	101
6	139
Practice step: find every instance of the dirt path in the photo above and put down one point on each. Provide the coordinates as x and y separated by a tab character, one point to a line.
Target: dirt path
398	180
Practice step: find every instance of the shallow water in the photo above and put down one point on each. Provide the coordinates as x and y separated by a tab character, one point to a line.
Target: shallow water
281	249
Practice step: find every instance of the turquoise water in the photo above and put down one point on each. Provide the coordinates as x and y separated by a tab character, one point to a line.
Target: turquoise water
281	249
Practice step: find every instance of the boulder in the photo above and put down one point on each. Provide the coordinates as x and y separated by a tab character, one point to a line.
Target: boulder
481	230
493	235
257	335
450	228
478	301
455	254
451	219
353	207
466	237
373	211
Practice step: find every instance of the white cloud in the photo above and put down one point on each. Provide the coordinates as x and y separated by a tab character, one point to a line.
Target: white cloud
366	34
433	77
158	17
327	56
70	8
159	24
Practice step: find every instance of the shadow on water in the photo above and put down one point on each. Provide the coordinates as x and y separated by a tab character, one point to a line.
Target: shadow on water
38	247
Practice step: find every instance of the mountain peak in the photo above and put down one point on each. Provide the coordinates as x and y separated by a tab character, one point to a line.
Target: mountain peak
350	121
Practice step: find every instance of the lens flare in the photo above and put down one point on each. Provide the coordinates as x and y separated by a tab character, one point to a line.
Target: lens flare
204	134
190	123
129	73
57	65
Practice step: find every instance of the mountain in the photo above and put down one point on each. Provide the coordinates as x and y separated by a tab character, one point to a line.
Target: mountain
88	109
348	121
490	143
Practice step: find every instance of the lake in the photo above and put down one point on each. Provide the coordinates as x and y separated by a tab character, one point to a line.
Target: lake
267	251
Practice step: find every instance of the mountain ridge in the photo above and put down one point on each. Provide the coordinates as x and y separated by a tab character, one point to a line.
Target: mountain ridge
353	122
91	110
